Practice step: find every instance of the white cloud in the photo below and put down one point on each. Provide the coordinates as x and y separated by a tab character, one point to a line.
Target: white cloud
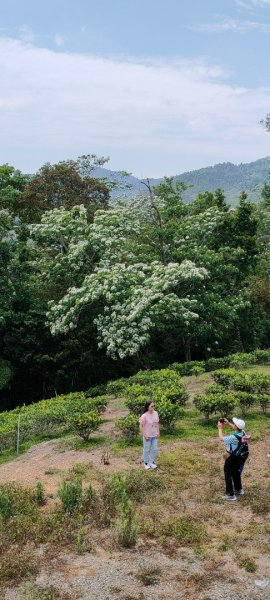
235	25
252	3
150	117
26	34
59	40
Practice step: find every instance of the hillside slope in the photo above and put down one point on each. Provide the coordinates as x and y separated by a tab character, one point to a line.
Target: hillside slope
233	179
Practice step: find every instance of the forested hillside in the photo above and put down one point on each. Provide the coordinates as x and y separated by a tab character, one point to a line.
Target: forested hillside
232	179
92	290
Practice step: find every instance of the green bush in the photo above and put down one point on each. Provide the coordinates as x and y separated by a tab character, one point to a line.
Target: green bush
129	427
241	360
136	405
264	402
85	424
117	388
261	357
17	500
221	404
211	364
127	524
168	415
184	530
224	377
174	394
71	495
96	390
188	368
245	401
99	403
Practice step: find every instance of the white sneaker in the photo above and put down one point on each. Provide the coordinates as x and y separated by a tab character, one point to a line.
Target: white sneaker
227	497
240	493
153	466
146	466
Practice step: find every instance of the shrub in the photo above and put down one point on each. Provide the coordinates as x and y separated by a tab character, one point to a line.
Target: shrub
97	390
168	415
17	500
16	564
205	404
261	357
136	405
117	388
71	495
129	427
188	368
241	360
224	376
84	425
211	364
40	494
99	403
137	390
185	530
264	401
245	401
210	404
127	524
174	394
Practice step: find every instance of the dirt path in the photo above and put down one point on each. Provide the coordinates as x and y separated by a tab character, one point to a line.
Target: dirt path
47	462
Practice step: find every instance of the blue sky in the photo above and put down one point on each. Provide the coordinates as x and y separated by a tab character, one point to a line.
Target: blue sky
161	86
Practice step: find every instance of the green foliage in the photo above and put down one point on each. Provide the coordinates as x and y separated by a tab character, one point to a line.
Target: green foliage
136	405
188	368
71	495
168	415
241	360
185	530
85	424
217	403
40	494
97	390
129	427
127	523
5	373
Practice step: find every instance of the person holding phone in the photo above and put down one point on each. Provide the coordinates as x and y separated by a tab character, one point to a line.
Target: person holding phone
234	459
149	428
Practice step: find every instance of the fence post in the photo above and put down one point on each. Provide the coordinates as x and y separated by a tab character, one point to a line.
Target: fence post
18	431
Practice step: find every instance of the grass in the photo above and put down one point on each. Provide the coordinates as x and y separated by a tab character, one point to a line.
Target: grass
178	506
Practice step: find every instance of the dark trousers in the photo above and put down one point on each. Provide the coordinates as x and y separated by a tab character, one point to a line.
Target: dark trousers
232	471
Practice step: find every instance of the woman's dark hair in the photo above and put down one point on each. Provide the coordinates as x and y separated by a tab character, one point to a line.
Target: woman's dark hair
146	406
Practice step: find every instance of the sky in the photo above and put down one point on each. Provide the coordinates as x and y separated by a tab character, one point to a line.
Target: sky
159	86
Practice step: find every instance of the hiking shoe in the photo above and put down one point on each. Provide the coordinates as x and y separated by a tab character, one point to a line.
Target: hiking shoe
227	497
240	493
153	466
146	466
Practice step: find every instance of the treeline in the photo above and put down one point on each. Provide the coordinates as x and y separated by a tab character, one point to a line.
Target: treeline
92	290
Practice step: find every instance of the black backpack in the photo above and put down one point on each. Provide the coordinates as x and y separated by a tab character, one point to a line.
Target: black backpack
242	450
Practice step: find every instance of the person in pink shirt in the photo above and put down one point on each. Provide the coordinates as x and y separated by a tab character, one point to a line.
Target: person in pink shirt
149	428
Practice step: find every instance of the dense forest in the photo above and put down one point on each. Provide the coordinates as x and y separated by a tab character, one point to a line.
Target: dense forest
92	289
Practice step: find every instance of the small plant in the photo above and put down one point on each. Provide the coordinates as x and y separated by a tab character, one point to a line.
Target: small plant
85	424
40	494
149	575
70	494
129	427
248	564
185	530
127	523
17	563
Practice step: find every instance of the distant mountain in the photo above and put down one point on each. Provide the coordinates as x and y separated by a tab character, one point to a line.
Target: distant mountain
232	179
